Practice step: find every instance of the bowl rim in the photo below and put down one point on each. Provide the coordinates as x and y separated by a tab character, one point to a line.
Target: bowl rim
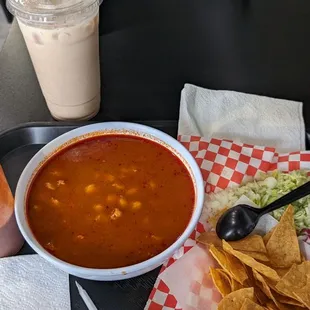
29	172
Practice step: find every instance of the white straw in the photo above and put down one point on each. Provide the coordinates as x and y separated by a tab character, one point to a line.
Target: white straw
87	300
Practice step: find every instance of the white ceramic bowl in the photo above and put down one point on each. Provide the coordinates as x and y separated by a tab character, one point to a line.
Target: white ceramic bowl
99	129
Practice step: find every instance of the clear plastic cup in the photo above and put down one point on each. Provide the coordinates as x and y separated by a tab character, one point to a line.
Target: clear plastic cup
63	42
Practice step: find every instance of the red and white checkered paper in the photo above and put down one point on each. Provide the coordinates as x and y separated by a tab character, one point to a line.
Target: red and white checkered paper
223	164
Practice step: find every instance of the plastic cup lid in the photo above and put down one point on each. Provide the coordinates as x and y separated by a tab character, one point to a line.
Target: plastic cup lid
52	11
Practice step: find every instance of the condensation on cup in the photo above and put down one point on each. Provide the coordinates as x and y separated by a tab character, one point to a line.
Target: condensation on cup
63	42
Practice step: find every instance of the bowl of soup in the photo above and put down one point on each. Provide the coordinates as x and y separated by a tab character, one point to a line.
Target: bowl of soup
109	201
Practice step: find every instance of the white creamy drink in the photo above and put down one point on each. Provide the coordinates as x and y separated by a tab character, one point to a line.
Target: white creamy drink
64	50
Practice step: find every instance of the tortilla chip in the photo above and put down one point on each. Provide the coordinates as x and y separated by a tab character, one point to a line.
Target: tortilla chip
266	289
220	281
298	308
263	284
229	263
248	304
281	271
278	295
235	300
225	275
257	255
303	294
286	300
210	237
214	219
249	244
271	306
219	255
252	243
259	294
237	268
251	262
294	280
251	282
235	286
268	235
282	247
289	307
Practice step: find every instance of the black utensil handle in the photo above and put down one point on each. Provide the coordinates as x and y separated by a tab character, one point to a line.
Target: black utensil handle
294	195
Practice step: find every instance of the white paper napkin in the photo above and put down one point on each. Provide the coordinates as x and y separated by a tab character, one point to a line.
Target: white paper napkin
240	117
29	282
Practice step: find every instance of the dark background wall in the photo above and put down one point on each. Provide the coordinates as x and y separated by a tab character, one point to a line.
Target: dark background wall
149	49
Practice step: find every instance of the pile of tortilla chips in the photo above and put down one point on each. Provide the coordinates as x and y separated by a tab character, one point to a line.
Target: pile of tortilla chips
257	272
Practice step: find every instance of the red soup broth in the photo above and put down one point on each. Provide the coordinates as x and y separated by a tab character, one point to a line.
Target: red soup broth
110	201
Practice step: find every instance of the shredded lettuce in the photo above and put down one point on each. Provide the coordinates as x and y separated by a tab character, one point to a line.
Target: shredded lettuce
264	190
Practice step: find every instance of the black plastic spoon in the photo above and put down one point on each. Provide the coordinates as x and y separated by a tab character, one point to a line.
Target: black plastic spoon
239	221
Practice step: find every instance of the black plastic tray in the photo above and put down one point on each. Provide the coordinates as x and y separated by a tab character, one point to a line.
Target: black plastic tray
17	146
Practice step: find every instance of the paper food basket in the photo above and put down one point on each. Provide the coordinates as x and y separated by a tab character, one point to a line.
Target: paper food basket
184	281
